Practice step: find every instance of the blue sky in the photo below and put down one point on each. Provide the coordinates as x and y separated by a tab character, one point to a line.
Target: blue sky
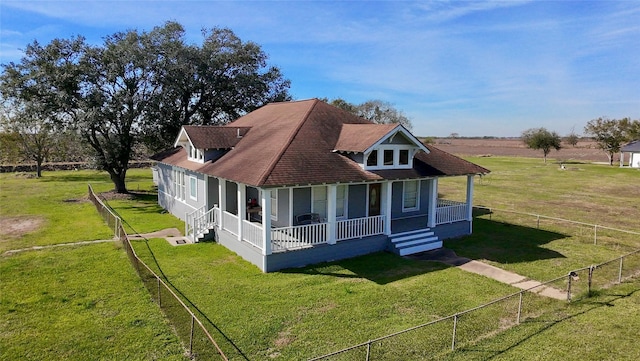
473	68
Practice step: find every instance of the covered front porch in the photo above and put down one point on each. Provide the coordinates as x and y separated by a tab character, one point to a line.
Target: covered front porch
289	219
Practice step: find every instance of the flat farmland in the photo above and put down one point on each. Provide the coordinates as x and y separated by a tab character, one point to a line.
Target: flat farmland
584	151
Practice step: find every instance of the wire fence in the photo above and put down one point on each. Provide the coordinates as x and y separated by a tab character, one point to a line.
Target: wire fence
435	339
196	339
587	233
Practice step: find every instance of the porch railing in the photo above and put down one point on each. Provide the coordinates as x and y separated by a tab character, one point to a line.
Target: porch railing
252	233
287	238
189	230
230	222
359	227
450	211
199	222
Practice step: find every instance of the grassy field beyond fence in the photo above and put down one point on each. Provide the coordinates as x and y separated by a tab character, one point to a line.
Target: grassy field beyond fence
80	302
301	313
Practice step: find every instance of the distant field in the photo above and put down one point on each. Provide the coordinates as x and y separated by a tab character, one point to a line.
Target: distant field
584	151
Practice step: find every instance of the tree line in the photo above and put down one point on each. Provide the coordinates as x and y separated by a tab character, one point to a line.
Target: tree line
134	90
609	134
129	97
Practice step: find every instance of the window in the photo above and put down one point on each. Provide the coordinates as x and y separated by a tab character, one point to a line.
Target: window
404	156
193	188
274	204
372	161
179	185
341	201
319	201
410	195
388	157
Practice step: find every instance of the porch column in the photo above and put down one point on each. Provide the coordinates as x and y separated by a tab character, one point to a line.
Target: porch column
331	213
266	221
470	197
433	203
242	207
388	196
222	200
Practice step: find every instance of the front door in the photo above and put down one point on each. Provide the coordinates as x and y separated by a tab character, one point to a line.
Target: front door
374	199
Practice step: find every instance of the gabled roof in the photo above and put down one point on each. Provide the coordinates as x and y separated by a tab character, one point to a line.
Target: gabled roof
362	138
293	143
359	137
213	137
632	147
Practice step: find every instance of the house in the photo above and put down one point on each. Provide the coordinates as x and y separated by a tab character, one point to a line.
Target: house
633	149
303	182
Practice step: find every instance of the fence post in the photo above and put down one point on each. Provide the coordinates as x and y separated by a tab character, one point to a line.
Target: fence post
569	287
368	349
620	270
591	268
595	234
455	326
519	307
191	336
159	297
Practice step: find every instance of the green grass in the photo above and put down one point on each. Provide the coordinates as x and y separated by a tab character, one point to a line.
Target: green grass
77	302
310	311
305	312
590	193
300	313
604	327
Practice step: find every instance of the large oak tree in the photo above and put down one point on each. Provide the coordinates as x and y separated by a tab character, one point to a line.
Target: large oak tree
140	87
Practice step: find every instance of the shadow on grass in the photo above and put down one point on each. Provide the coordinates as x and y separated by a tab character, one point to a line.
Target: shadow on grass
194	308
380	267
538	326
505	243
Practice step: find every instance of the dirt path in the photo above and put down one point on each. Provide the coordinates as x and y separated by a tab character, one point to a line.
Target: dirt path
35	248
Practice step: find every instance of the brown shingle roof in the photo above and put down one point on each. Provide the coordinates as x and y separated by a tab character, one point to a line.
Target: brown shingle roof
215	137
292	143
359	137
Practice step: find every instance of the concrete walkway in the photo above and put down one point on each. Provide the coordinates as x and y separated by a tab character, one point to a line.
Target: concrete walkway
449	257
172	235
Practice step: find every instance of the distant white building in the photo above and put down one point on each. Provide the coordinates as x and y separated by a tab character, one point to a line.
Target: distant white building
633	149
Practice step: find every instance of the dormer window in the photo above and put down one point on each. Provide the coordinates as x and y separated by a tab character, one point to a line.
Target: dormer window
391	157
404	157
195	154
372	161
388	156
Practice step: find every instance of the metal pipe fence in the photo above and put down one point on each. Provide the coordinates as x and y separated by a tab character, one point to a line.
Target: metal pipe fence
436	338
195	337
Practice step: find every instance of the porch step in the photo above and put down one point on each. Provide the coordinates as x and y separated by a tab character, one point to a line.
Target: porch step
411	242
204	233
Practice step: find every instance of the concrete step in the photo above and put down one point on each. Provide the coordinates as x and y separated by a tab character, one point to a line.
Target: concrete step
420	248
407	237
411	242
415	241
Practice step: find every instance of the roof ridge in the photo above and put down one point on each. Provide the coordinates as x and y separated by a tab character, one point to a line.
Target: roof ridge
267	172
